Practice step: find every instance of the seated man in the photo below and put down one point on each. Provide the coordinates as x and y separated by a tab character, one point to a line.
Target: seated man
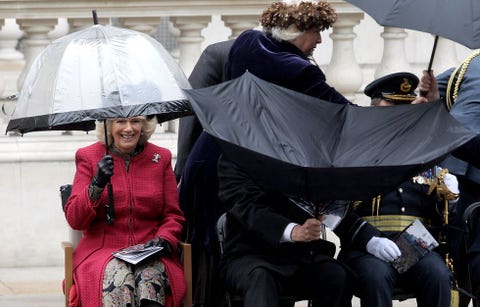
272	250
458	88
367	245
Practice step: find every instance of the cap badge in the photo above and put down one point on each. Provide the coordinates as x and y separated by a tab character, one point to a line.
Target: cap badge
405	87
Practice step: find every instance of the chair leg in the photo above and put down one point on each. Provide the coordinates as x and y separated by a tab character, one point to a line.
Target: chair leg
68	252
187	271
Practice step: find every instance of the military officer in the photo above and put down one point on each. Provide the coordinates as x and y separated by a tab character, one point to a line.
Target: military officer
368	231
458	87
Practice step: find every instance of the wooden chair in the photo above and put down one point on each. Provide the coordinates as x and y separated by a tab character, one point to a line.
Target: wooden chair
68	247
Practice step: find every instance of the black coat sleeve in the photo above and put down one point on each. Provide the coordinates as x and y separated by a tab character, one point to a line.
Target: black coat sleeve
256	212
208	71
469	152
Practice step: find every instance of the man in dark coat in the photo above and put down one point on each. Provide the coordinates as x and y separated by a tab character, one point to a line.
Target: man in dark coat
368	246
261	261
291	45
208	71
272	248
196	172
282	54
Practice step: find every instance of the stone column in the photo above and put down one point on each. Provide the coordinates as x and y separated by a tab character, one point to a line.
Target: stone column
36	39
343	72
394	58
240	23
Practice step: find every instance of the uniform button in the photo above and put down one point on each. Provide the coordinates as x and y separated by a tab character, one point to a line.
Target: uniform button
402	209
400	190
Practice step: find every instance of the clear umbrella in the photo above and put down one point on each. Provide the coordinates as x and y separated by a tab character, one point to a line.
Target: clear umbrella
99	73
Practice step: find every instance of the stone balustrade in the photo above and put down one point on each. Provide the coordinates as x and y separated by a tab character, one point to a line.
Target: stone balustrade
354	52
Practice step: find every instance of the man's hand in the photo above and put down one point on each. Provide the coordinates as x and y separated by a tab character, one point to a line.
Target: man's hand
383	248
429	85
309	231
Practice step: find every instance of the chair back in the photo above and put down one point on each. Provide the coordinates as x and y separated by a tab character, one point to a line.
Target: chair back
65	191
471	216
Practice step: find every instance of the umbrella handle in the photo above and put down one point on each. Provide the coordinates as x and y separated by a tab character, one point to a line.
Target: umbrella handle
95	17
109	209
424	93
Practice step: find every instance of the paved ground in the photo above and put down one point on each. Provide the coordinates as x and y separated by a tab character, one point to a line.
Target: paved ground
31	287
41	287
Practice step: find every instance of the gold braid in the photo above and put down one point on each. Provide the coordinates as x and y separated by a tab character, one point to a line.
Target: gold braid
463	70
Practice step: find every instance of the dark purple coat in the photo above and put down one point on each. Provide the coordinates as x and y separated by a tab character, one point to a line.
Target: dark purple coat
281	63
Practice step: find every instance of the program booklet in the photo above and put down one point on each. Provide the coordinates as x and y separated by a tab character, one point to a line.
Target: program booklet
414	242
333	211
136	253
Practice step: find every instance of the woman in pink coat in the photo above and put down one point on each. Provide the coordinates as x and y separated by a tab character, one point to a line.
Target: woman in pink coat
146	210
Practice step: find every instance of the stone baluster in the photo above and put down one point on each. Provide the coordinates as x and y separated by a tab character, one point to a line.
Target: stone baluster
77	24
190	39
445	56
343	72
36	39
240	23
394	58
190	45
11	60
60	30
147	25
9	36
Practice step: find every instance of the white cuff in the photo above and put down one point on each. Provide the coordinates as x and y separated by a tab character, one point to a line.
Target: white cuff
287	233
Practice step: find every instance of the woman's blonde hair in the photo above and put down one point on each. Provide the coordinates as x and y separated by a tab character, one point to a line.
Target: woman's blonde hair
148	128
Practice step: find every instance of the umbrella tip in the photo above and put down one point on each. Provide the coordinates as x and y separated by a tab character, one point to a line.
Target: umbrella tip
95	18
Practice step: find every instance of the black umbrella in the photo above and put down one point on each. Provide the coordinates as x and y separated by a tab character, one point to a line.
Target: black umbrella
455	20
316	150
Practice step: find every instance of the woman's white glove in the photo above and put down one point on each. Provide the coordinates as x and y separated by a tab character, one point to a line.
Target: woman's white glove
383	248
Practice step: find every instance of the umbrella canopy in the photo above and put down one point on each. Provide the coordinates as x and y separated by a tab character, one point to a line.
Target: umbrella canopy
317	150
456	20
99	73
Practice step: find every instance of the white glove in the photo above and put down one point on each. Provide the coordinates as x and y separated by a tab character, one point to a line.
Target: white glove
383	248
451	182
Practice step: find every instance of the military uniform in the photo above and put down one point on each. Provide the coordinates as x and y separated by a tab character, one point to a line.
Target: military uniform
460	88
388	214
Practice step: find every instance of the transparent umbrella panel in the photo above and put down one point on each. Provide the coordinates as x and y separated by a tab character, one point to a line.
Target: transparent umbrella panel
99	73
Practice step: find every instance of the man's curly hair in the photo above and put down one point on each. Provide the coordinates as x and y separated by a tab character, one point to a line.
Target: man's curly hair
304	15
